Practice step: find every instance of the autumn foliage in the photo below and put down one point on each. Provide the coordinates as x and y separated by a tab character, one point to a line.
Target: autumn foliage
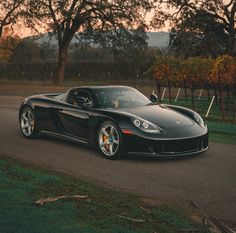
197	73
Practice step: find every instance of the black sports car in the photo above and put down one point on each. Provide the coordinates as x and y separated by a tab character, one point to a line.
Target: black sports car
116	120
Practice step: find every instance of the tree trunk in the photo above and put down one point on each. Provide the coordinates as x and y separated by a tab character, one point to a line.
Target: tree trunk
216	96
169	88
222	107
193	102
61	63
227	103
208	94
186	92
220	90
158	85
231	39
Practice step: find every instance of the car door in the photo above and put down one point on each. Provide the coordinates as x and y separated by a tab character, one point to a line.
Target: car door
74	119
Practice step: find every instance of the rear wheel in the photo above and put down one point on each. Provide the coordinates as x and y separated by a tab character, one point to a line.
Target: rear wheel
28	123
110	141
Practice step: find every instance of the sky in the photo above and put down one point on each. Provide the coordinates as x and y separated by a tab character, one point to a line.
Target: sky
22	31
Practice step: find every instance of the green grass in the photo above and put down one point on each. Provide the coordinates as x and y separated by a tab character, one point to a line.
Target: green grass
21	186
201	106
222	132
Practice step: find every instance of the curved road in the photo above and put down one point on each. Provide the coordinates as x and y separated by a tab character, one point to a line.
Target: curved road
210	179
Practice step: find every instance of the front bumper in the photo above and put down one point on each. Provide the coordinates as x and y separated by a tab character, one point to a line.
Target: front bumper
166	147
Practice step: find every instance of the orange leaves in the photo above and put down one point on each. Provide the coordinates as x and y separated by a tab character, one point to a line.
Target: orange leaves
7	47
166	67
224	71
196	71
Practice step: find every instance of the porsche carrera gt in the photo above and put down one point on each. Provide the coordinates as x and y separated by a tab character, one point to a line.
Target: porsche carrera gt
116	120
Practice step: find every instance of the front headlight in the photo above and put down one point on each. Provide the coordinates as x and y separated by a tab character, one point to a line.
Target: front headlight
145	125
199	119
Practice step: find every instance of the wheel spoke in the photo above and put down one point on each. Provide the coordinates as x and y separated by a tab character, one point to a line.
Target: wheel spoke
111	149
28	114
105	143
116	142
25	125
31	129
28	129
112	131
24	117
105	132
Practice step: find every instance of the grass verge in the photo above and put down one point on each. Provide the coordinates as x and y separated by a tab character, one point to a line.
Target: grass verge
21	186
222	132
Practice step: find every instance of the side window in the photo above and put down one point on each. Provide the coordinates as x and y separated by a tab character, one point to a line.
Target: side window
82	93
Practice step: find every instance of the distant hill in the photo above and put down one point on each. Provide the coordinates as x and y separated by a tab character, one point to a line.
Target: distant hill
156	39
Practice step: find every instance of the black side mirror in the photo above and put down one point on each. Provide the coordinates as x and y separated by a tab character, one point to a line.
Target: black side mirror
153	98
80	101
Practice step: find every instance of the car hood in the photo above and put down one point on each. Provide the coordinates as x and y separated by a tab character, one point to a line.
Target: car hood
162	116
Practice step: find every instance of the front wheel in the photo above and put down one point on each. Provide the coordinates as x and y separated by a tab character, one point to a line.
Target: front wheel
110	140
28	123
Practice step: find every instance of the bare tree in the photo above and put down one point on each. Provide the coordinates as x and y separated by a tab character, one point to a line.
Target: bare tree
65	18
9	13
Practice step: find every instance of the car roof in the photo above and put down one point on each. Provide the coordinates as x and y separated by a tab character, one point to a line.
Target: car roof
103	87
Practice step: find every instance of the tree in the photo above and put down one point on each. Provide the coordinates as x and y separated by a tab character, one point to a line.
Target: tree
26	52
125	45
197	71
10	10
191	73
165	73
8	44
223	75
48	52
65	18
200	23
181	76
198	35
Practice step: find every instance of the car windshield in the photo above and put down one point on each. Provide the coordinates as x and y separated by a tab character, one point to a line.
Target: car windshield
119	97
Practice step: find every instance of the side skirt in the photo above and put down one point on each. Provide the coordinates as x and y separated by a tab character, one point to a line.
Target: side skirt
170	154
65	137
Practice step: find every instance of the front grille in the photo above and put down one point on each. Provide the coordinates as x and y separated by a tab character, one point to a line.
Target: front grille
180	146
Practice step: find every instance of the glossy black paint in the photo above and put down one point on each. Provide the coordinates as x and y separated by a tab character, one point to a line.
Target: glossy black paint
55	116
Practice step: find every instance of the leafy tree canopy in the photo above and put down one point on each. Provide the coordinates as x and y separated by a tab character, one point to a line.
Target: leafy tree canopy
199	27
10	11
26	52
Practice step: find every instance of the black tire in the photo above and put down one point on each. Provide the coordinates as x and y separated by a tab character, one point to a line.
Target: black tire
113	136
27	116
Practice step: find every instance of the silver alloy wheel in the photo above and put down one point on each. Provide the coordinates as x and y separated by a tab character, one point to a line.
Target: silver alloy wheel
109	140
27	122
